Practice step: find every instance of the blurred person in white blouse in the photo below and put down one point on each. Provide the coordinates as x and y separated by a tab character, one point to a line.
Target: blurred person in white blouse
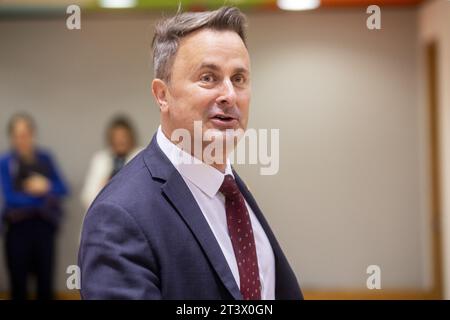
122	147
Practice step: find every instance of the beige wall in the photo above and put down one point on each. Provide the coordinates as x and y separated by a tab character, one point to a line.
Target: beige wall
349	190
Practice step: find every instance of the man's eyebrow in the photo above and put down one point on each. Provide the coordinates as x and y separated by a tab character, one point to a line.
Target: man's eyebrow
209	66
215	67
241	70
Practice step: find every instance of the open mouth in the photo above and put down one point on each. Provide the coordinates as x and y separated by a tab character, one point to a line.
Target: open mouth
223	117
223	121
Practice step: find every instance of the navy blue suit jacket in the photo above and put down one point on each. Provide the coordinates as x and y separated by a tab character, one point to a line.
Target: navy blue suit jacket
145	237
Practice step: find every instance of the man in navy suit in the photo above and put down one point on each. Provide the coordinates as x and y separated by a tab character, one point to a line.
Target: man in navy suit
174	225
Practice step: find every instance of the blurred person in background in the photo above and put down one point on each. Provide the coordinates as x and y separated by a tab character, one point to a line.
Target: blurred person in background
32	191
122	142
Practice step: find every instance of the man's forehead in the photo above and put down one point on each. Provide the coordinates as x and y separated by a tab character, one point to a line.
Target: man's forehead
209	48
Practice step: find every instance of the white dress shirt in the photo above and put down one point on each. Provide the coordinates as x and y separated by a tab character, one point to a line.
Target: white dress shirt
204	182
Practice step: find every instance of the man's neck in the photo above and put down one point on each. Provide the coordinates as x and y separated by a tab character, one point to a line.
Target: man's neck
218	166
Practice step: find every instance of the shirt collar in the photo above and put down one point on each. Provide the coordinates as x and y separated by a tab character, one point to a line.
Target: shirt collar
205	177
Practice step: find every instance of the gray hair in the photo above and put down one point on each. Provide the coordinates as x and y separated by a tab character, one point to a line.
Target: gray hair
169	32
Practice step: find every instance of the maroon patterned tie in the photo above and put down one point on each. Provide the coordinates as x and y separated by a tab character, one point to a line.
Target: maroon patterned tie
241	235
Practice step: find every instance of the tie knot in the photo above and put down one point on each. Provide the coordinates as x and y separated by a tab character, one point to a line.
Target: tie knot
229	187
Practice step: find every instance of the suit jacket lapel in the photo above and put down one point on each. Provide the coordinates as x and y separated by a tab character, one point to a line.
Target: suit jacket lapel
282	268
258	213
182	199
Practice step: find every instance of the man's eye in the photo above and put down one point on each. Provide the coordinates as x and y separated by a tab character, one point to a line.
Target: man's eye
239	79
207	78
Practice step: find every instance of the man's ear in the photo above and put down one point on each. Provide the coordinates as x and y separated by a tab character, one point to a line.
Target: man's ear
159	90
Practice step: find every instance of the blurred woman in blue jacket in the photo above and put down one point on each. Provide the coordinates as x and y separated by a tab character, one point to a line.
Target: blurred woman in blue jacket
32	191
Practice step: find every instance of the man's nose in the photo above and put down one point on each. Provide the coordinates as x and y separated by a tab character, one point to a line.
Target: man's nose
228	94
